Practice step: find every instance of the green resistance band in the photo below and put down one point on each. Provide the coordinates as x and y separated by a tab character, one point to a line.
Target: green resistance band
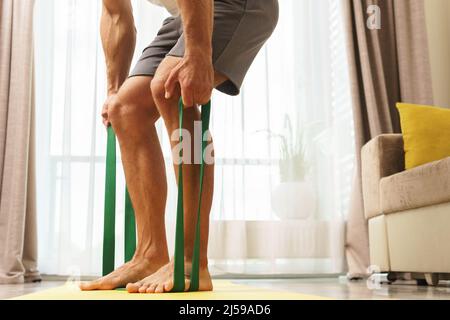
109	223
130	225
179	272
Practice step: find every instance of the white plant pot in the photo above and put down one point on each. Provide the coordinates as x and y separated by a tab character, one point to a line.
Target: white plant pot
293	200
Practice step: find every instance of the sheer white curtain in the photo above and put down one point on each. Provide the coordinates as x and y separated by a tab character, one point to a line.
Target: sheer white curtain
279	206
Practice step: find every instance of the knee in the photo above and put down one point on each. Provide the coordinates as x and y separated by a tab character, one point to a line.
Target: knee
123	114
117	112
166	107
158	87
159	92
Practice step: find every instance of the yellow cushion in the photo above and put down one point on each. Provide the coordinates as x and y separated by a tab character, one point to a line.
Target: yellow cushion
426	133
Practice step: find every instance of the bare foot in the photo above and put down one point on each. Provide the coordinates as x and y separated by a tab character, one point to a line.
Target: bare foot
162	281
129	272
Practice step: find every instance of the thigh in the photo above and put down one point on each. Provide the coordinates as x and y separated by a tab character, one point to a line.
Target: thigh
154	54
241	27
136	92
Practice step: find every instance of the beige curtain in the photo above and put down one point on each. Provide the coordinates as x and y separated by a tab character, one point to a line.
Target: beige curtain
18	238
387	65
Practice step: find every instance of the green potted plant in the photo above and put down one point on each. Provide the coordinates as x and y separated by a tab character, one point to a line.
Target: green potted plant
293	197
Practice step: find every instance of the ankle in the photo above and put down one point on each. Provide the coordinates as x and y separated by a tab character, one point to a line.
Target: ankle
203	264
151	253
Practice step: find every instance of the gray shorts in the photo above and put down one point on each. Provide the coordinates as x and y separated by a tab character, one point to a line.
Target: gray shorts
241	27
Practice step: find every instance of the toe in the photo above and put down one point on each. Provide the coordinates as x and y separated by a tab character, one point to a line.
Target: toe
143	288
133	287
160	288
187	285
168	286
152	288
87	286
110	284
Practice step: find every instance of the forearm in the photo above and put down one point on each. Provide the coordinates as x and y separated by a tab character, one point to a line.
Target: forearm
198	19
118	36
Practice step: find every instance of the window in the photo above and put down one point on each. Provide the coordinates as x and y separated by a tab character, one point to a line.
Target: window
297	87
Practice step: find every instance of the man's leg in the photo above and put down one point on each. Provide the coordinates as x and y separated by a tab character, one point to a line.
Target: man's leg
133	115
162	281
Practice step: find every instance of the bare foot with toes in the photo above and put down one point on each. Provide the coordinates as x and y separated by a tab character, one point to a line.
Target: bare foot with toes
129	272
162	281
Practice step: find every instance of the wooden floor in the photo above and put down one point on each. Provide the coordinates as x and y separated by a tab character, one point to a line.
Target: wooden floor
343	289
338	288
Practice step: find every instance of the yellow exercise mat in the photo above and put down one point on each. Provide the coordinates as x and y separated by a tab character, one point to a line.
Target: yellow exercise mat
223	290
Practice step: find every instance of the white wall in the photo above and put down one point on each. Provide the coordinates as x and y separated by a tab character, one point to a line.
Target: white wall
438	16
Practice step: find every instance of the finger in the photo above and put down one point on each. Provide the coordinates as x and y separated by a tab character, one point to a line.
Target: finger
105	116
171	83
186	94
105	120
204	98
